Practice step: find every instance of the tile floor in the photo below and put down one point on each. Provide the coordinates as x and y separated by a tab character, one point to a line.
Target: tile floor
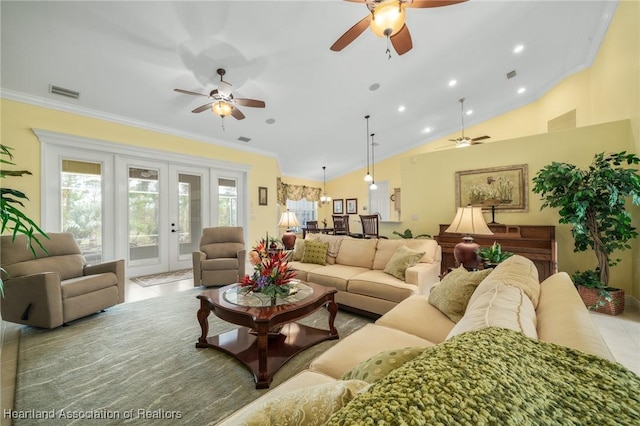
622	334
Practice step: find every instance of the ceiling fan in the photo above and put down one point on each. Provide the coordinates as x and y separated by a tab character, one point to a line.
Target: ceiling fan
386	18
223	103
463	140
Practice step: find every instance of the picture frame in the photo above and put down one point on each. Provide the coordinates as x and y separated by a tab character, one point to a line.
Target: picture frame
352	205
338	206
263	199
505	188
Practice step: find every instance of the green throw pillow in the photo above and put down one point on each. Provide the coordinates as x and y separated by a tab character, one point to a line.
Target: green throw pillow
382	364
298	250
315	252
402	259
451	296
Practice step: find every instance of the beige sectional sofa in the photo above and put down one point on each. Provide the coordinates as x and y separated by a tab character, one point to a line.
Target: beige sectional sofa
355	267
509	302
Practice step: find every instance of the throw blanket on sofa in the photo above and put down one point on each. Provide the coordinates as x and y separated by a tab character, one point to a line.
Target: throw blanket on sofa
499	376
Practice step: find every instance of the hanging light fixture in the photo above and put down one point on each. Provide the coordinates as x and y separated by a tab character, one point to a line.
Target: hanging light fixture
221	108
367	177
388	18
373	185
324	199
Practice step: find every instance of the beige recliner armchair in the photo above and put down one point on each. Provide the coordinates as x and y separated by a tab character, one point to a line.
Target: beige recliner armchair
54	288
222	256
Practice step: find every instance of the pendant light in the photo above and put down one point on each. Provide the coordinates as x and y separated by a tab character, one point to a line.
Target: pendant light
324	199
367	177
373	185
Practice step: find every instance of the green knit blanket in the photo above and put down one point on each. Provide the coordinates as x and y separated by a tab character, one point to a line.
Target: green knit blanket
499	377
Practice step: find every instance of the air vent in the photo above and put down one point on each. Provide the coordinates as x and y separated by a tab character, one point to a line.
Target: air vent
57	90
244	139
511	74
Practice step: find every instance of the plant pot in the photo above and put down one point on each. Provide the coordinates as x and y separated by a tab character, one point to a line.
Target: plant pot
591	298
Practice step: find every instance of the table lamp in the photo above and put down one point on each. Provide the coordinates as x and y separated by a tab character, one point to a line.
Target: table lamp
288	220
468	221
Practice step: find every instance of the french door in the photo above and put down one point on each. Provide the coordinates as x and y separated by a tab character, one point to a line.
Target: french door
162	216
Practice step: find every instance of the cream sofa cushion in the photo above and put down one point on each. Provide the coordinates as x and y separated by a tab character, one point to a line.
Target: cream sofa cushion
416	316
500	306
516	271
386	249
357	252
563	318
370	340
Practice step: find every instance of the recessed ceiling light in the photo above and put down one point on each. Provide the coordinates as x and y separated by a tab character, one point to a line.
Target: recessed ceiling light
428	129
452	83
519	48
401	108
469	112
522	90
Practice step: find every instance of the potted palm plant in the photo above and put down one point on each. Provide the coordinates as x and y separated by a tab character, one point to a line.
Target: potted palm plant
593	202
12	219
493	255
408	235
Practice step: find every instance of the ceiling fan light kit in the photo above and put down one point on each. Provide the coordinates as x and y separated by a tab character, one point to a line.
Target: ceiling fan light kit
221	108
388	18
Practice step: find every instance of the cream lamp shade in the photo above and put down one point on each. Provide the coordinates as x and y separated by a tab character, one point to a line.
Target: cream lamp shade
468	220
288	220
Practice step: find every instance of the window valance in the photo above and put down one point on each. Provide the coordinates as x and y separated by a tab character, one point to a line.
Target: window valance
296	192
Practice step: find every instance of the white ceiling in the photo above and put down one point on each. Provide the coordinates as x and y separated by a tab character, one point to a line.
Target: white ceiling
125	58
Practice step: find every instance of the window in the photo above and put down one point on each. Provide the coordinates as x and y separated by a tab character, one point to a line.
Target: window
227	202
305	210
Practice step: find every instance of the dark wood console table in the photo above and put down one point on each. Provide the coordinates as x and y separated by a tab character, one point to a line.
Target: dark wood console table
534	242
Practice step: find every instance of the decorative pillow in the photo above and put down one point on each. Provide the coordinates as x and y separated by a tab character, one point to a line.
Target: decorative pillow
452	294
312	405
382	364
501	306
315	252
403	258
298	250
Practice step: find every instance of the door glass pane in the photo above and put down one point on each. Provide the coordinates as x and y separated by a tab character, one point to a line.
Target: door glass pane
81	195
227	202
189	212
144	216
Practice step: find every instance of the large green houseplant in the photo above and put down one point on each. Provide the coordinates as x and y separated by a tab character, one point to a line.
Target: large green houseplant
12	217
593	202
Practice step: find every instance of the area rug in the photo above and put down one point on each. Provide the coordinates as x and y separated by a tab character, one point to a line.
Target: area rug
137	363
164	278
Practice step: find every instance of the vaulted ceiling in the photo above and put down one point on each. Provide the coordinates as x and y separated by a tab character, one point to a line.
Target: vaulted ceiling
125	59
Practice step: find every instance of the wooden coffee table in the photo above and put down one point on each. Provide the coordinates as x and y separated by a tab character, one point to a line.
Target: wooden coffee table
252	344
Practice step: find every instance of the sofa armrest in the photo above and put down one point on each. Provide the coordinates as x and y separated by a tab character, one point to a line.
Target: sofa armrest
34	300
116	267
197	256
423	275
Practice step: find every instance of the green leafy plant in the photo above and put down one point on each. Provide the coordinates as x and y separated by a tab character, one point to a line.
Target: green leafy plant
493	254
407	234
11	215
593	202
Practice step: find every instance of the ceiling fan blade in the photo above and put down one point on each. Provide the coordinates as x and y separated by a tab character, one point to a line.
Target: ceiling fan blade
402	40
432	3
203	107
237	114
480	138
351	34
249	102
190	93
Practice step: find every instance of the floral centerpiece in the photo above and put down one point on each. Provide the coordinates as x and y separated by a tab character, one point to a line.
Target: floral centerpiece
271	272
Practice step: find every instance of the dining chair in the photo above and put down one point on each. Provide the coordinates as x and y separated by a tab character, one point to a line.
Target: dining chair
340	224
370	225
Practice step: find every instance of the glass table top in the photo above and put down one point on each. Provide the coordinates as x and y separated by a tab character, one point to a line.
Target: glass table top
236	295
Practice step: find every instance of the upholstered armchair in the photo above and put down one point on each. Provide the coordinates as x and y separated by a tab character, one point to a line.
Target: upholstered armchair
56	286
221	258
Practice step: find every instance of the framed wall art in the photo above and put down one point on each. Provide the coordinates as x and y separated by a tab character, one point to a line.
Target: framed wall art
352	206
338	207
505	187
262	196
